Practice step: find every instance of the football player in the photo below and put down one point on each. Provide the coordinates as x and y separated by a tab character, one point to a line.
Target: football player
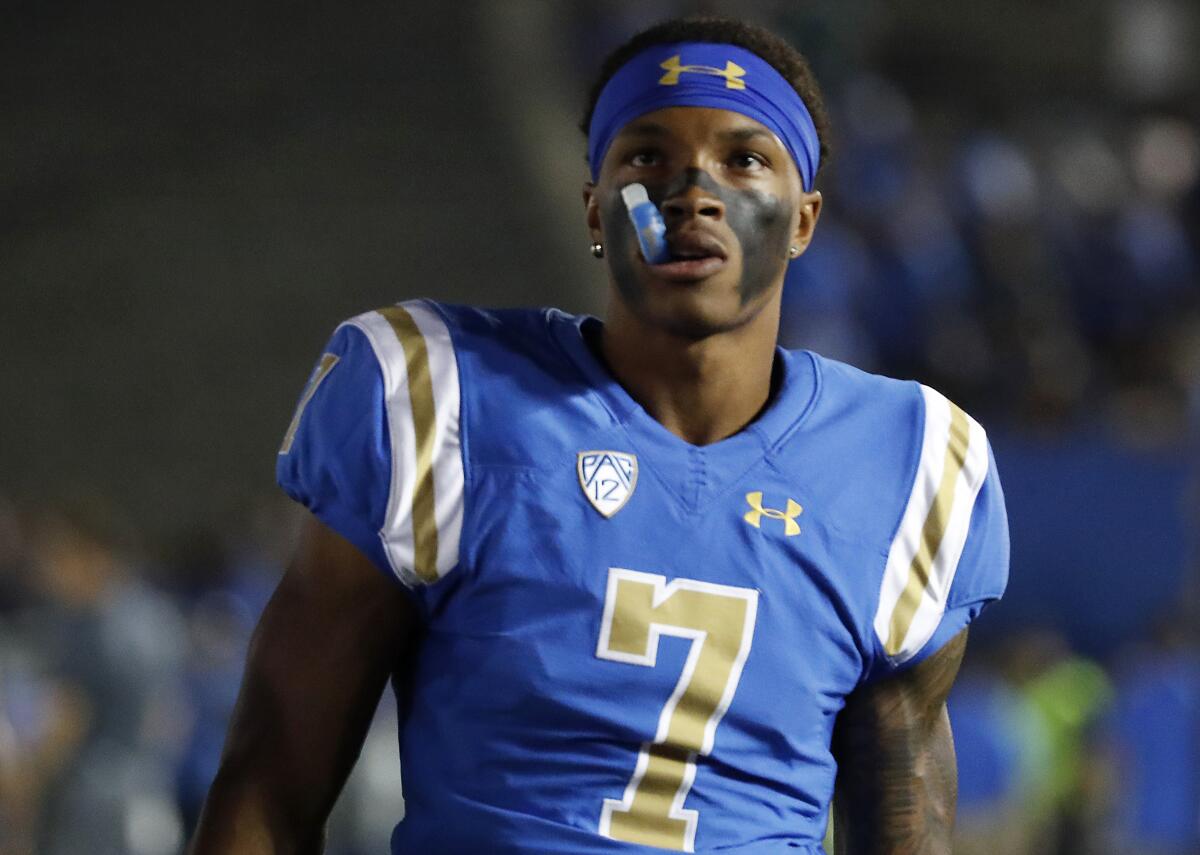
641	584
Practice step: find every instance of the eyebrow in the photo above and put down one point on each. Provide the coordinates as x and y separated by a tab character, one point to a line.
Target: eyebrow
645	129
746	134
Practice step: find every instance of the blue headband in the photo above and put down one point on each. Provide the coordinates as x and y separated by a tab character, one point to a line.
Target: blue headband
700	74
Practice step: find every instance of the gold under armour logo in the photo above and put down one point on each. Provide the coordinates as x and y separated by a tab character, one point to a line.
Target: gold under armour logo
733	73
754	516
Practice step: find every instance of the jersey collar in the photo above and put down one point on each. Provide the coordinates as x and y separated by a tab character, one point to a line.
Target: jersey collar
794	399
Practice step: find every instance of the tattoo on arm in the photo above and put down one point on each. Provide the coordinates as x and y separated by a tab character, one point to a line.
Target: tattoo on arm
897	781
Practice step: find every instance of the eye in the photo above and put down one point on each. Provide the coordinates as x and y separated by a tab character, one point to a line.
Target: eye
645	158
749	161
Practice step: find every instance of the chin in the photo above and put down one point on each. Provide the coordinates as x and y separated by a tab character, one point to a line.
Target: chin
688	312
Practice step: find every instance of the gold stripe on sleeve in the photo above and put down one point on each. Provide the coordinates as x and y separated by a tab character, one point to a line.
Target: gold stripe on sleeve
420	393
931	533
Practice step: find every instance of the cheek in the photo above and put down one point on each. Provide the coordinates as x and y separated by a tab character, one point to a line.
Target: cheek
763	224
761	221
619	237
615	220
620	244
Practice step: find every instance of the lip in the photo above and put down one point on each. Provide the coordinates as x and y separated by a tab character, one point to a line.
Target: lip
695	242
710	253
688	269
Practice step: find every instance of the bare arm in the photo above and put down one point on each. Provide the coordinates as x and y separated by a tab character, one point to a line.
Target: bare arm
333	631
897	782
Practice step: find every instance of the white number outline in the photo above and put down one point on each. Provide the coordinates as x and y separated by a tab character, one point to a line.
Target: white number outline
663	591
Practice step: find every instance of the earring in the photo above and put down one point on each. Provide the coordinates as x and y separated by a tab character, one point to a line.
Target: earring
794	251
597	249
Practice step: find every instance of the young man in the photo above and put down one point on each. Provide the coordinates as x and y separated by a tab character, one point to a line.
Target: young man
642	581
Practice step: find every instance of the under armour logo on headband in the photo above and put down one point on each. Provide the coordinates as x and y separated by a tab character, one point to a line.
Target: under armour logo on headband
715	78
733	73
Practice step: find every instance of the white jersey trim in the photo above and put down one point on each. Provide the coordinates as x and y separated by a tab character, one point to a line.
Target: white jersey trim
422	524
924	555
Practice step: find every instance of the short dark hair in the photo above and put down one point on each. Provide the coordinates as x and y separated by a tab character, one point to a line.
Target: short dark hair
773	49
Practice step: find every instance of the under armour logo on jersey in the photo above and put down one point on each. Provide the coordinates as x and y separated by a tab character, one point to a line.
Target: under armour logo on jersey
754	516
607	479
733	73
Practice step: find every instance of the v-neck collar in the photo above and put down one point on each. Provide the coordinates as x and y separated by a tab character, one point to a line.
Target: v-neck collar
695	472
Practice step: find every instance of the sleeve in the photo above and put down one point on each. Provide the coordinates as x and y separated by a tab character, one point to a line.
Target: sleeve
374	449
949	556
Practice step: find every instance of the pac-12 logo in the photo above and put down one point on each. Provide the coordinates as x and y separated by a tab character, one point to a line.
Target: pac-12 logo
607	479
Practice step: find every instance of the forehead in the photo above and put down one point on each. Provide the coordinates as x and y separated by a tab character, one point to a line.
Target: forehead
701	123
706	126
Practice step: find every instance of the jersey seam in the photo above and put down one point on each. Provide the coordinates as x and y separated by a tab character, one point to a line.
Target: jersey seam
463	433
594	394
774	448
339	512
768	457
972	599
646	461
914	472
580	372
986	596
384	368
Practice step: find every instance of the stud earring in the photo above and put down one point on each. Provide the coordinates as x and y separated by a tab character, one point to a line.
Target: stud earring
597	249
794	251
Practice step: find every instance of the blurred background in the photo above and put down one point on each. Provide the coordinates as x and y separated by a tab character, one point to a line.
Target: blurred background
192	196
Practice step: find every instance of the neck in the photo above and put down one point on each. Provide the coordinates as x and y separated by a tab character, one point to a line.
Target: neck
702	390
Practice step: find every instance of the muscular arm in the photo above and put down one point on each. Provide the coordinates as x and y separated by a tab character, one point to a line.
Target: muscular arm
330	636
897	782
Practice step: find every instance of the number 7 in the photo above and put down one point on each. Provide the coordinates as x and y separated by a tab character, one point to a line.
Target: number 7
639	608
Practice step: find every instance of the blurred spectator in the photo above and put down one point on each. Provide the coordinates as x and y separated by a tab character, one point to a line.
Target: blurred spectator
109	650
372	802
1154	733
221	593
1068	695
1001	745
42	718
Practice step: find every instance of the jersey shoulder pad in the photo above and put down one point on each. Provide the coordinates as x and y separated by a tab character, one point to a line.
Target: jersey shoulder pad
374	449
949	555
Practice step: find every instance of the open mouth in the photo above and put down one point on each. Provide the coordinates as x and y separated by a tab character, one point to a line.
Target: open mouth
688	268
693	255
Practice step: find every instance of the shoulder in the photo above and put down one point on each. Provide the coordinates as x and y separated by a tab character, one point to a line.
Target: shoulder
867	409
440	363
859	444
923	470
377	448
905	433
859	399
948	557
374	447
453	329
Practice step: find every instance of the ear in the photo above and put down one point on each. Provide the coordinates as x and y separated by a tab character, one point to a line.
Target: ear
810	212
592	211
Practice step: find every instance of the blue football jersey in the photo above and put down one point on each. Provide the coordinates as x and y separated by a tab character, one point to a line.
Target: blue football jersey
634	643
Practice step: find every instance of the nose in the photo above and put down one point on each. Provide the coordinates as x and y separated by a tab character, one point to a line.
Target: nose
692	201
